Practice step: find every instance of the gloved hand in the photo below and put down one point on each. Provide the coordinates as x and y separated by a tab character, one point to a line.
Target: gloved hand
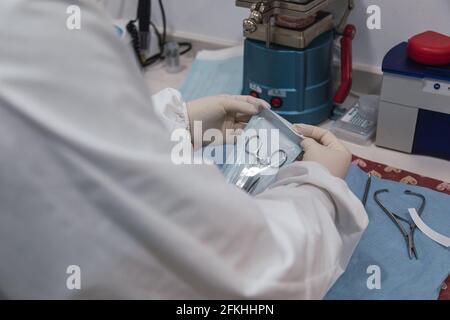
323	147
225	113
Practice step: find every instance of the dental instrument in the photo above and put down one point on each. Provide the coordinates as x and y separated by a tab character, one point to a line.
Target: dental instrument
397	220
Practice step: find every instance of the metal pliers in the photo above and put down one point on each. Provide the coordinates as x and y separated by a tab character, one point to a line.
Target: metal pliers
409	236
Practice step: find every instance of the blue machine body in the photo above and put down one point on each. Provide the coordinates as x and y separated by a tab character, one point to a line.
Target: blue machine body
297	82
397	61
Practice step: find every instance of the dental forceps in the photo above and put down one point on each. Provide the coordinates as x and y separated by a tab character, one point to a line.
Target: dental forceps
408	235
249	177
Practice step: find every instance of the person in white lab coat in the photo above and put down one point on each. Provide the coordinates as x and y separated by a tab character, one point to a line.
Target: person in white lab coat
91	205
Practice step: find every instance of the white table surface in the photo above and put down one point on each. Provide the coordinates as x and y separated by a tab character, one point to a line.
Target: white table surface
158	79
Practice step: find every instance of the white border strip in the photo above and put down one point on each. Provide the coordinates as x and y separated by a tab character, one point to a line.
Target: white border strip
430	233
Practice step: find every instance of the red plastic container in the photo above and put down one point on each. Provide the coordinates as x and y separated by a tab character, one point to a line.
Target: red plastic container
430	48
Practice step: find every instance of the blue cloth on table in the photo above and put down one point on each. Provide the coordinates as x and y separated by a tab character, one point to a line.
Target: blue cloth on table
383	245
213	77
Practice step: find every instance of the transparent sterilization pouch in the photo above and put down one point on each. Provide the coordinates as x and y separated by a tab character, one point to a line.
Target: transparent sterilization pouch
267	144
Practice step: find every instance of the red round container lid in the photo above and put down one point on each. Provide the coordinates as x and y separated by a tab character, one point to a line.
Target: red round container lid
430	48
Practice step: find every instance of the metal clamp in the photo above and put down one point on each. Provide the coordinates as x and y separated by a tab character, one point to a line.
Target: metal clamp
256	17
408	235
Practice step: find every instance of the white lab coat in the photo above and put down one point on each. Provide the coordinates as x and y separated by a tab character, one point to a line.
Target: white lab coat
86	179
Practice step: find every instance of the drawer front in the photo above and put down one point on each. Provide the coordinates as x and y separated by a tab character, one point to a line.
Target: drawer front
419	93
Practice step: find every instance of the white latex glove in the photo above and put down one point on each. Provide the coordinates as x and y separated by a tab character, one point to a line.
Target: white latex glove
228	114
323	147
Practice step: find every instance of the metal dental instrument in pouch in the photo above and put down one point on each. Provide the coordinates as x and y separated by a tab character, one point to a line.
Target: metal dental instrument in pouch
249	177
267	144
398	220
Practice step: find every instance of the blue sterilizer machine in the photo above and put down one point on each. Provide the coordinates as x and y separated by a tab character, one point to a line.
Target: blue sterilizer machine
297	82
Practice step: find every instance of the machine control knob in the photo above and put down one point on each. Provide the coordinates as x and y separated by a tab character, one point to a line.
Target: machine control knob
261	6
276	102
250	25
256	16
254	94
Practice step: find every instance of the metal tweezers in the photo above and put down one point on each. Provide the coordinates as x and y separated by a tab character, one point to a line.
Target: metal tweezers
409	236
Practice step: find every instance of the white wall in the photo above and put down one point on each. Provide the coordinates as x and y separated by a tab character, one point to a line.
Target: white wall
401	19
221	21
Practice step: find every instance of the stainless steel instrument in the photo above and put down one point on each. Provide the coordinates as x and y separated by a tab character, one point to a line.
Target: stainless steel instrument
265	22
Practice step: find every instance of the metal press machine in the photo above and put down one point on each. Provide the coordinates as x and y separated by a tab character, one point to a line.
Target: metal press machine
288	56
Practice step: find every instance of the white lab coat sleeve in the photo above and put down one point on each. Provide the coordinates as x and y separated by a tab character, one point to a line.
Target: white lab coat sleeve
87	178
325	215
305	202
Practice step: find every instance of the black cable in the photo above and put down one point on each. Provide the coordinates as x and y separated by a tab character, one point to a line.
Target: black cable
185	44
134	34
162	39
164	20
153	59
144	13
159	36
